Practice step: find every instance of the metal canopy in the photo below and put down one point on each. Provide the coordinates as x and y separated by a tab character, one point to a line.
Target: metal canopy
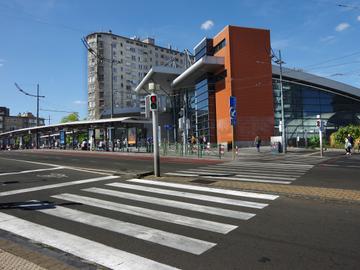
202	66
160	75
79	124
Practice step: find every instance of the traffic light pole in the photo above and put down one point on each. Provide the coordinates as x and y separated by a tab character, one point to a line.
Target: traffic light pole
156	143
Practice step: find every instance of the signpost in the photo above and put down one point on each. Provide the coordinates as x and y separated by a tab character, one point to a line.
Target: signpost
233	122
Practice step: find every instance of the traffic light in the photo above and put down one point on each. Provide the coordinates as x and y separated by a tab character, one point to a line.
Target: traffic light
153	102
318	123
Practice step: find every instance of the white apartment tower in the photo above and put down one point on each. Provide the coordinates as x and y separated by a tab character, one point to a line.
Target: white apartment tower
116	65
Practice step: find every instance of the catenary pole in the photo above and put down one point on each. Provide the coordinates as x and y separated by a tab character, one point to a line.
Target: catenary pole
283	131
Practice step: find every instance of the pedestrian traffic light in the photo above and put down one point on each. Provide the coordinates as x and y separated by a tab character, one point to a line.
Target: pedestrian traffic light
318	123
153	102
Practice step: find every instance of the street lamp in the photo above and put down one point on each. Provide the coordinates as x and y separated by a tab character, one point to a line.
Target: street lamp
279	61
37	107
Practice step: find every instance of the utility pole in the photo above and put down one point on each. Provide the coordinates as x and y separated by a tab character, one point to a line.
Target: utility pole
37	107
282	126
283	134
112	83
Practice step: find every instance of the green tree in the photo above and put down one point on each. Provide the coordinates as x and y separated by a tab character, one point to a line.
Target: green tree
343	132
72	117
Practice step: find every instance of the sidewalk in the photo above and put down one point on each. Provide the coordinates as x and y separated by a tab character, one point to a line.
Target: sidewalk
16	257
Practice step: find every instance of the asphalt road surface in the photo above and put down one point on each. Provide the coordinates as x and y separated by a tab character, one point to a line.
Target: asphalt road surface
124	223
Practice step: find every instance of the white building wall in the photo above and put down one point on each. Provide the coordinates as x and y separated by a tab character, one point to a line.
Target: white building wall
132	59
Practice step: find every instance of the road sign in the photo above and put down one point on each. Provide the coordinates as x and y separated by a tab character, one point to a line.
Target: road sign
233	110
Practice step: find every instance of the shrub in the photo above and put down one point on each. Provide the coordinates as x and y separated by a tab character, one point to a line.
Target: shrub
340	135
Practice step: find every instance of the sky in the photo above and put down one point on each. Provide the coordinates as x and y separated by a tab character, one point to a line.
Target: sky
41	40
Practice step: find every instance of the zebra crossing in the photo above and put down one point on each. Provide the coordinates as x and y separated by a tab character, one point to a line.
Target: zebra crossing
261	171
289	158
212	210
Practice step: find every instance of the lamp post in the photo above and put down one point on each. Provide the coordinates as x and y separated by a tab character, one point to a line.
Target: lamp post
283	127
37	107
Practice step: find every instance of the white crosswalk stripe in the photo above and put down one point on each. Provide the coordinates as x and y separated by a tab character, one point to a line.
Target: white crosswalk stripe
211	205
172	203
172	240
192	195
94	252
248	171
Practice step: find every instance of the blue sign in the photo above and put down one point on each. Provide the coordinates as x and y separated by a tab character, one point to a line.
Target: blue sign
62	137
232	101
168	126
233	110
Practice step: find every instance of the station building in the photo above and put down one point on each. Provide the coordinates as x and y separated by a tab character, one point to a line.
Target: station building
237	62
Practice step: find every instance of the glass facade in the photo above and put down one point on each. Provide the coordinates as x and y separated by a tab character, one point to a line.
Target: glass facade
302	104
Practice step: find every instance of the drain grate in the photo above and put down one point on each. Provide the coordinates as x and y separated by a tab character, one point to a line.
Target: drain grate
203	181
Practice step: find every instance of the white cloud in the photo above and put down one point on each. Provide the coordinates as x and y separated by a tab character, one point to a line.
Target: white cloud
79	102
358	18
327	39
2	62
207	25
342	27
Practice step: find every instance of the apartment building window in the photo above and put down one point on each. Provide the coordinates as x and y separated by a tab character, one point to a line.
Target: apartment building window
156	54
115	78
113	45
133	58
101	77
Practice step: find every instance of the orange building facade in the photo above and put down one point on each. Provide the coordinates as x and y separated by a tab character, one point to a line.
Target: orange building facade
248	77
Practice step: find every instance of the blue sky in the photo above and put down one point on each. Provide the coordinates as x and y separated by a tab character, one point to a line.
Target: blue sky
41	39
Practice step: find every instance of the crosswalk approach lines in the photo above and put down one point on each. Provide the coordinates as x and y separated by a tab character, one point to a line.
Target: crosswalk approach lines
271	173
118	259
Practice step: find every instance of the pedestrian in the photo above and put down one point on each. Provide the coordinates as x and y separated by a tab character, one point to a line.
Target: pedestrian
347	146
351	142
257	143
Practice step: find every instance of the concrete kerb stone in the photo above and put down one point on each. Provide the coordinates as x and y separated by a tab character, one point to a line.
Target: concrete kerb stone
307	192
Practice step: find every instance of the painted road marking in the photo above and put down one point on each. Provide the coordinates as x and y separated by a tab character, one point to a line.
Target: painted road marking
230	178
217	173
172	240
149	213
78	246
247	180
189	195
250	171
81	169
265	164
207	189
31	171
176	204
72	183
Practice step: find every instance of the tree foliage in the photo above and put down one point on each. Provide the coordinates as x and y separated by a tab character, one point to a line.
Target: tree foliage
72	117
338	137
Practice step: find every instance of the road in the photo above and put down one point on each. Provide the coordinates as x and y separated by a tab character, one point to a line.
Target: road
120	222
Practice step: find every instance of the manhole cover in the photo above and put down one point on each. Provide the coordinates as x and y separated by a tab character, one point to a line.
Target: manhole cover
203	181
